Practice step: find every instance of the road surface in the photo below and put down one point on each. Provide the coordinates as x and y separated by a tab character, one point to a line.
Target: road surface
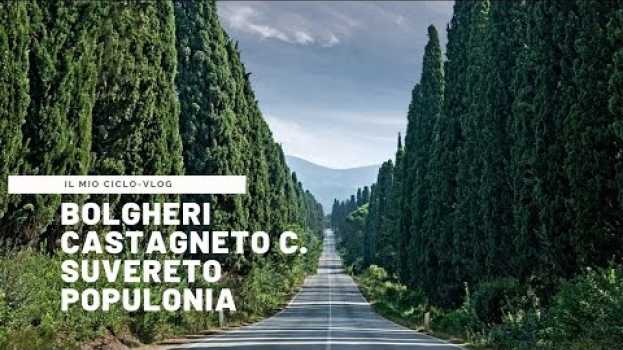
328	313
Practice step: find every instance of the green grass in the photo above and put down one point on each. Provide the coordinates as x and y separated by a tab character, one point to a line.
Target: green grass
30	315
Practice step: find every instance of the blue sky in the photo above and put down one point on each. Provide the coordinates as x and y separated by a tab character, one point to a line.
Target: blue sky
333	79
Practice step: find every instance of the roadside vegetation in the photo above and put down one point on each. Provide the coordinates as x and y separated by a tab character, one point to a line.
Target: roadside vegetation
500	213
134	88
30	289
585	313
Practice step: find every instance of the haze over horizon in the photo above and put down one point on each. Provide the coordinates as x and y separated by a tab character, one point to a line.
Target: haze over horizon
334	79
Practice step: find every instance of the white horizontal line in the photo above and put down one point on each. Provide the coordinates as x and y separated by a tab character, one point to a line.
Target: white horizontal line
126	184
329	303
319	329
252	343
368	339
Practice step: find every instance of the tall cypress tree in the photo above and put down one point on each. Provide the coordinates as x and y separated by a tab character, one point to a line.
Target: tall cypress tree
495	191
207	90
522	134
224	132
467	218
14	92
554	25
384	244
406	235
62	73
136	115
426	112
615	103
446	141
591	144
393	207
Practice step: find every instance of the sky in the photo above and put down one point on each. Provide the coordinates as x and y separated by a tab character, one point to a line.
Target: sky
334	79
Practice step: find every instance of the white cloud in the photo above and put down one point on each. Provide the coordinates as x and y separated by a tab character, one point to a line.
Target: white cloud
268	32
303	38
290	27
332	41
241	18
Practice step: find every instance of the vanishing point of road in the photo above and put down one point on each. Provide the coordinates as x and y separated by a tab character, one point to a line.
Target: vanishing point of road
328	313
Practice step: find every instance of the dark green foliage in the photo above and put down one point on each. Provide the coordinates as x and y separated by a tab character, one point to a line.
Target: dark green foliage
404	233
381	245
211	92
512	172
91	87
426	113
470	246
224	132
495	191
527	248
14	91
390	298
491	299
59	92
353	241
101	100
393	213
135	117
615	32
590	145
589	308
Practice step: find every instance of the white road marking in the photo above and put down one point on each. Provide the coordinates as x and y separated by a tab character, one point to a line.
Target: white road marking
317	338
252	343
329	303
302	331
318	329
330	312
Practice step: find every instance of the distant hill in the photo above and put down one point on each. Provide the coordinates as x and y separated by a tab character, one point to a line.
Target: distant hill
327	184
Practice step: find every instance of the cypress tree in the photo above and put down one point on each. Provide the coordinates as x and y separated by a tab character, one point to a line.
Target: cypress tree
470	251
224	132
525	212
207	90
369	239
446	153
495	192
393	207
136	115
554	28
365	195
591	145
14	93
334	213
426	112
446	141
405	236
615	103
384	246
62	73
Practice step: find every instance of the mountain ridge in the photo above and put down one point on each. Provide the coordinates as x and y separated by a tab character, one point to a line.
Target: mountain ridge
326	183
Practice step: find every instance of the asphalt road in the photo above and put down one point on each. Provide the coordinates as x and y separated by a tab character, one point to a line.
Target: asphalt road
329	312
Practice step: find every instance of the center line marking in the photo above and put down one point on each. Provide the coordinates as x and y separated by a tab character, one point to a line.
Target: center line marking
330	310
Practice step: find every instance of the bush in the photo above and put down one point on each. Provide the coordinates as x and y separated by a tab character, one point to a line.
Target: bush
506	315
584	314
462	322
487	307
490	299
522	324
588	309
392	298
31	317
